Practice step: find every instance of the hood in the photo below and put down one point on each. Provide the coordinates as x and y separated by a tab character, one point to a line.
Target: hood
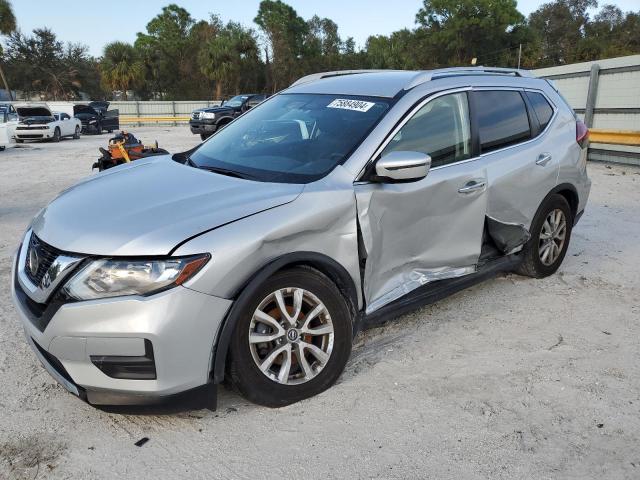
99	105
84	110
150	206
221	109
37	111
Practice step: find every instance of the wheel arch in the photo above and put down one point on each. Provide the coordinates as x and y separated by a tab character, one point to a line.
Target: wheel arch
320	262
223	121
570	193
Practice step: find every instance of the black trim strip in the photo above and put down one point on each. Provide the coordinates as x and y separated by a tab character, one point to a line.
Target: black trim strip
613	153
610	110
435	291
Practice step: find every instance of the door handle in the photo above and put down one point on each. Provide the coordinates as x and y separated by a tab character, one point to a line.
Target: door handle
473	186
543	159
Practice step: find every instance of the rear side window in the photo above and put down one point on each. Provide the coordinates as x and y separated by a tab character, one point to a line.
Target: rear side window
502	119
541	107
440	129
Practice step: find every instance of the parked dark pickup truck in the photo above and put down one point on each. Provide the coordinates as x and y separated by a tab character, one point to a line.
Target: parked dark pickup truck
206	121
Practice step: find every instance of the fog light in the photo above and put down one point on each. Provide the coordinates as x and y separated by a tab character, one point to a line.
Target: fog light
128	367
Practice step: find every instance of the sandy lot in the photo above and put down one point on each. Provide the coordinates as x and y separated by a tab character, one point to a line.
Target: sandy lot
514	378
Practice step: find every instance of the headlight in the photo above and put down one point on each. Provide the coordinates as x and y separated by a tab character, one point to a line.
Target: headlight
208	115
116	277
92	121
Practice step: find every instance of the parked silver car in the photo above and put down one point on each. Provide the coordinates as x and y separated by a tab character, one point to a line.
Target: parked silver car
343	201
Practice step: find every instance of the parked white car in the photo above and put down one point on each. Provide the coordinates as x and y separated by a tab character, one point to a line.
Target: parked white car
38	122
8	123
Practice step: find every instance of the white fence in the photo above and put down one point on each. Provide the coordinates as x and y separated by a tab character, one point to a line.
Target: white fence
606	94
161	108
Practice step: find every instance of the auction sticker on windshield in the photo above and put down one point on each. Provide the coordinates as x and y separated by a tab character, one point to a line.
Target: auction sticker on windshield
346	104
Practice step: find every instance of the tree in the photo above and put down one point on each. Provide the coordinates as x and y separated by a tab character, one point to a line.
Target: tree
285	32
7	26
170	50
7	18
400	50
121	68
458	31
322	46
231	59
559	28
41	64
611	34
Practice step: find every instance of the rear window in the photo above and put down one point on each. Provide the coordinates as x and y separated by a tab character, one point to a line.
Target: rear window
502	119
541	107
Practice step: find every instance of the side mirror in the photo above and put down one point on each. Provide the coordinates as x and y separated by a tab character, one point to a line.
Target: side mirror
403	166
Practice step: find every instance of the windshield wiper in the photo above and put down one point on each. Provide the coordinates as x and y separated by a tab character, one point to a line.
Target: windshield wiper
225	171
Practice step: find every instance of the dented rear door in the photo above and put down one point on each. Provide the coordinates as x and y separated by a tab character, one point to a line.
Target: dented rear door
521	170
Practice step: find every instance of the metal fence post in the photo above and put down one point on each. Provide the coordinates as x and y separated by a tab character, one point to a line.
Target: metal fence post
592	95
138	112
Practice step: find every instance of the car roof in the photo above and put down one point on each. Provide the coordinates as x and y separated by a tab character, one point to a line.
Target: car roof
389	83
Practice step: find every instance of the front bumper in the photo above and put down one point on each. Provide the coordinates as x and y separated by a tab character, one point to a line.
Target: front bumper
180	323
33	134
89	127
200	127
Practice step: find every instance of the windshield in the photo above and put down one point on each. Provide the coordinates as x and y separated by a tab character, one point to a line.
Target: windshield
235	101
292	138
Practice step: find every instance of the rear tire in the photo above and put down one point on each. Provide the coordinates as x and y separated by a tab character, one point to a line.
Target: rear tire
551	229
76	134
315	359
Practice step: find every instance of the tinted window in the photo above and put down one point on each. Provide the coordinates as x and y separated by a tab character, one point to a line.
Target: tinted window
541	107
502	119
439	129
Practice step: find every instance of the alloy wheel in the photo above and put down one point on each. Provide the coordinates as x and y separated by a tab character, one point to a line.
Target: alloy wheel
291	336
552	237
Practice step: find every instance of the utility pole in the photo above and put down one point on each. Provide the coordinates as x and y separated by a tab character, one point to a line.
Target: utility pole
519	56
6	85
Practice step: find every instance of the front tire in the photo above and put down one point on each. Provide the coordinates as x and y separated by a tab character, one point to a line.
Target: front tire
56	135
76	134
292	340
550	234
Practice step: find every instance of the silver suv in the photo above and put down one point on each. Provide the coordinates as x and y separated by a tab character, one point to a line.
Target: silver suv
345	200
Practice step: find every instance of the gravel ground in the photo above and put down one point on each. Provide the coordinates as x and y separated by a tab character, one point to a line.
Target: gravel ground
513	378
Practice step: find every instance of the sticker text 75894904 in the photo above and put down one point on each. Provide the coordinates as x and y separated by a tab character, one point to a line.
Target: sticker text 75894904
348	104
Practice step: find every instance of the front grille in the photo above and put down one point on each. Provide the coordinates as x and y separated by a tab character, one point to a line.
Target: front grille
195	116
39	256
29	135
43	127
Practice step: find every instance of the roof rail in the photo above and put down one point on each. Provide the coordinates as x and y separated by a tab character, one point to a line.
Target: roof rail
421	77
336	73
429	75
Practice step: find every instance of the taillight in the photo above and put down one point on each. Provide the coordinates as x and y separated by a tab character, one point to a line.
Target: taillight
582	133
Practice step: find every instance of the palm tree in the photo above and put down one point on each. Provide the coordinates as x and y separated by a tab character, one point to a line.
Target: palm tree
7	25
120	67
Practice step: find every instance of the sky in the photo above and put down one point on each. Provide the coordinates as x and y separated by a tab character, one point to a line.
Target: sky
96	23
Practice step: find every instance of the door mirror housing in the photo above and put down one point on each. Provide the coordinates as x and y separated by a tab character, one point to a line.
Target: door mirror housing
403	166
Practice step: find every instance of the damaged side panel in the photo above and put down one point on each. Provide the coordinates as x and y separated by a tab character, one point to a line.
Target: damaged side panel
308	224
507	236
519	183
419	232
